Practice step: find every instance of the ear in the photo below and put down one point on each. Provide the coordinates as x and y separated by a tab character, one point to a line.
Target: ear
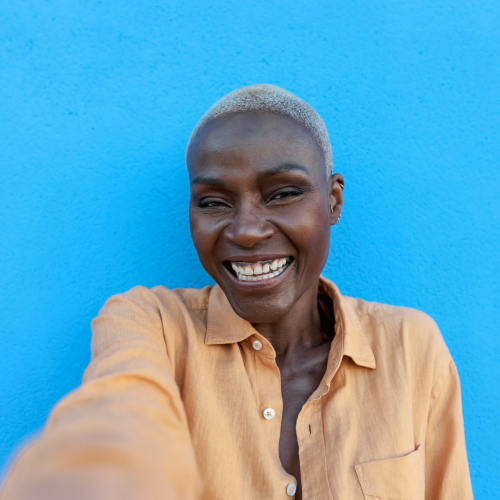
335	197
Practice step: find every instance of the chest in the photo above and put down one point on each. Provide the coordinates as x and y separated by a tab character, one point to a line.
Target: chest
243	455
298	383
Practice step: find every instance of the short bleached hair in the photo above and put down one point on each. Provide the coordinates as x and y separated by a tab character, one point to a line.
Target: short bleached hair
265	98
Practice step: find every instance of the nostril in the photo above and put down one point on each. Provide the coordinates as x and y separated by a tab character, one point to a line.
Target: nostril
248	234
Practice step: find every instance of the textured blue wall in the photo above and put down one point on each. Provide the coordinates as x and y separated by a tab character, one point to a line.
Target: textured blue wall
98	100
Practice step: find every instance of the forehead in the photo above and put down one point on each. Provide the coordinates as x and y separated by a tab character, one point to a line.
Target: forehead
256	140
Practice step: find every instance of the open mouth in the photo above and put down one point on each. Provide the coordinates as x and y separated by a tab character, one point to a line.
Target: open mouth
258	271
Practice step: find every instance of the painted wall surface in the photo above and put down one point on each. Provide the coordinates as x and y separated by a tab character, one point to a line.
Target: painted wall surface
97	102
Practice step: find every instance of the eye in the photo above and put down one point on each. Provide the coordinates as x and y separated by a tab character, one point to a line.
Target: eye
289	193
212	203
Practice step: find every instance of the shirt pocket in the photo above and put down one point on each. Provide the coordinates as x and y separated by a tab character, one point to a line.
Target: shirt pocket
400	478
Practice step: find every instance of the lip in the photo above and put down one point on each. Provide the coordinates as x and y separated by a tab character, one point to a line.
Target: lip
259	285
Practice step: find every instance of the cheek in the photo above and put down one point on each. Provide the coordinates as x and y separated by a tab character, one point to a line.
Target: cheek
204	233
311	229
199	235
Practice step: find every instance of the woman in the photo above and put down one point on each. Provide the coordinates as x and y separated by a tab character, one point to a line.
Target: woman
271	384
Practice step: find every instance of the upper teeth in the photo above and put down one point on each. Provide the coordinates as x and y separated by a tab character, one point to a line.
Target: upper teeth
256	271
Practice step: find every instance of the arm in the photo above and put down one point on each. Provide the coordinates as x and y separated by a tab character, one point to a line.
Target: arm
446	467
123	434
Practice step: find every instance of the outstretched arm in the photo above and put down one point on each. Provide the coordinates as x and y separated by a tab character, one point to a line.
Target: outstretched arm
123	434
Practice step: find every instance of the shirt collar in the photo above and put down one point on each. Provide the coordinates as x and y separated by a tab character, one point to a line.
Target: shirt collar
350	338
224	326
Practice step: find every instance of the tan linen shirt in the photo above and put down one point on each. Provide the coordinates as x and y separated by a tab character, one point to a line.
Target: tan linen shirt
172	407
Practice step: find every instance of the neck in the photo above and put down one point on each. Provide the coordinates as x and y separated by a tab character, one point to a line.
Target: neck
299	330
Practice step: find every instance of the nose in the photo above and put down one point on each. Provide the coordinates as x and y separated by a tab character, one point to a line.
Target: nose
249	228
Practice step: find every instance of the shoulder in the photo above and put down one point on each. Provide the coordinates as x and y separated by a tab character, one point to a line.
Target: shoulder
157	297
158	306
402	332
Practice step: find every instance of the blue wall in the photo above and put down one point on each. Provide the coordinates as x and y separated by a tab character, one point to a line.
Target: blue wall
97	103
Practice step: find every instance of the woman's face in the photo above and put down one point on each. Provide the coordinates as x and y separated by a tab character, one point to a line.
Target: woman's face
260	211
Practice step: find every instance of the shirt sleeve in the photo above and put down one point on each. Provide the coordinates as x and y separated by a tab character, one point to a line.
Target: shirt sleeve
446	467
123	434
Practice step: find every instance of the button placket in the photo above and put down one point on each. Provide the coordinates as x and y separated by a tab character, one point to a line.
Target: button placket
271	405
311	449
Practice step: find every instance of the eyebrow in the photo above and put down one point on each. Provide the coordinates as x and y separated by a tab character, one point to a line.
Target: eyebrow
270	172
281	169
208	181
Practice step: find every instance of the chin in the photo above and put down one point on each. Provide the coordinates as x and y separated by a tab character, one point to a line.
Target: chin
268	308
260	317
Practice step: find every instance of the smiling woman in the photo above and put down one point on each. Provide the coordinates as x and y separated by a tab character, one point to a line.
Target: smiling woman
271	384
260	194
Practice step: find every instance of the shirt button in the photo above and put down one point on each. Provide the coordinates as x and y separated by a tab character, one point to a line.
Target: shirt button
257	345
291	489
269	413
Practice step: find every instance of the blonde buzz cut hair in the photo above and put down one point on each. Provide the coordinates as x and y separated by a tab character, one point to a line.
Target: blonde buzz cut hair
266	98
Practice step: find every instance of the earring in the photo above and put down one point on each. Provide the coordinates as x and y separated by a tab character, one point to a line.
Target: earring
340	215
